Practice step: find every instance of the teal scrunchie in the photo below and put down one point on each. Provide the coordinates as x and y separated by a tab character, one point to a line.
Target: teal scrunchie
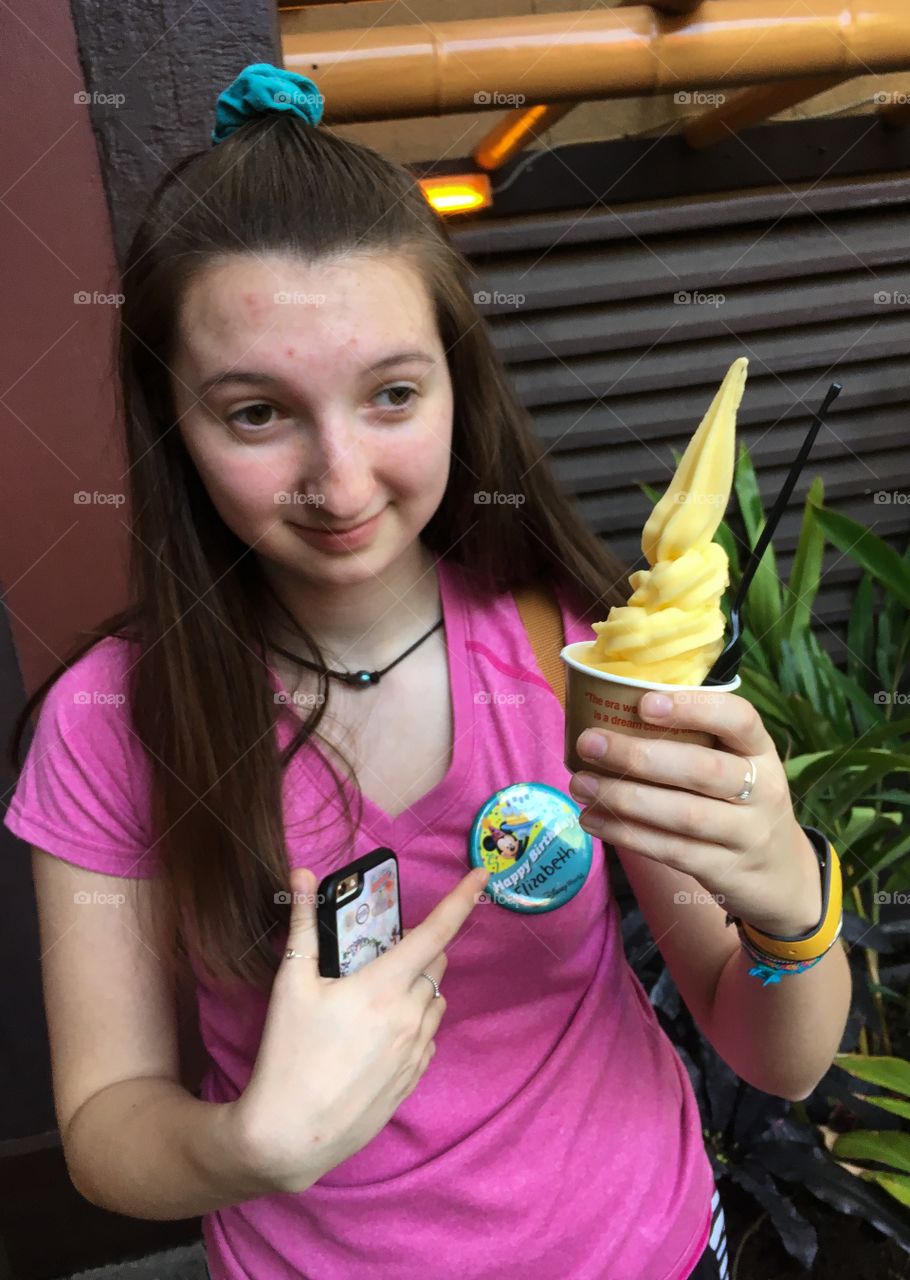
261	87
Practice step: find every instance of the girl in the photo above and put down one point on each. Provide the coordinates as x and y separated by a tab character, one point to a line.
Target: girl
318	432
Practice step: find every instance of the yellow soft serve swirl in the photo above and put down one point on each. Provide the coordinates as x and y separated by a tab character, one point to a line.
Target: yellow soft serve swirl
672	629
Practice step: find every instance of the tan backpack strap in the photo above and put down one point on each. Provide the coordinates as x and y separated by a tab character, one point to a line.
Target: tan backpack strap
542	618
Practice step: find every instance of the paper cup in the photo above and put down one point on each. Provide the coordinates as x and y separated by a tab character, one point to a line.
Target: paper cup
599	700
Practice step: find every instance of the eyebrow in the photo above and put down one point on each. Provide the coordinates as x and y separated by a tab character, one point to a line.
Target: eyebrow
231	376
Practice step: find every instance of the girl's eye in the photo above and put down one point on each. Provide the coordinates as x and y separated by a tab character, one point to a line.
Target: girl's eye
399	389
401	394
252	409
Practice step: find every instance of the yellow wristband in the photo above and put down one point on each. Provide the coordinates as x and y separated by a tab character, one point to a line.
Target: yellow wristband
807	946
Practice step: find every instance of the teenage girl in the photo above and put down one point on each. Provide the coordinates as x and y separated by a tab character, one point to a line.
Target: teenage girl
312	406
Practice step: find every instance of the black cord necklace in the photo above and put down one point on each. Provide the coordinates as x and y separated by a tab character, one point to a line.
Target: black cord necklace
356	679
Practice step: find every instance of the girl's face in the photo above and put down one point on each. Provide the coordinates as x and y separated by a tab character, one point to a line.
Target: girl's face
315	396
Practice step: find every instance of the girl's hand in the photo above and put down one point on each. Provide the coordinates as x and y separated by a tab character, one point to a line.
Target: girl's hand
669	801
338	1055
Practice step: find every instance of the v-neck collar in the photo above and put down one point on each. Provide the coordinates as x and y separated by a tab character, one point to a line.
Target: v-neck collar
429	808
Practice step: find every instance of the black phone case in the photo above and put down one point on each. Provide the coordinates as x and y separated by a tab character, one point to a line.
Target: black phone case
356	931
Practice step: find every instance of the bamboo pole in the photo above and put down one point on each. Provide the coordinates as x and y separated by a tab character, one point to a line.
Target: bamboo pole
751	106
515	131
383	73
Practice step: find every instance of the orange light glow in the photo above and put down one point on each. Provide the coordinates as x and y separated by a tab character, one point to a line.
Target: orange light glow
458	193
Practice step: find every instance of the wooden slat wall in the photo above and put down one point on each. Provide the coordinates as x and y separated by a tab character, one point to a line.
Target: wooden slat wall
616	373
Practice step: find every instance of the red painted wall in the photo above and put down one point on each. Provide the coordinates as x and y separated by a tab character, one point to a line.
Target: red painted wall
62	562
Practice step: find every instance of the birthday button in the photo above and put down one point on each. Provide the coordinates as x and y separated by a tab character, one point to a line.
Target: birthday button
528	837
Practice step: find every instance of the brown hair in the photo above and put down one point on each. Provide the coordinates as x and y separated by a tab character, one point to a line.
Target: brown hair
280	185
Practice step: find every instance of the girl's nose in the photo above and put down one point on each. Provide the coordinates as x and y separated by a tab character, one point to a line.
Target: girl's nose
340	473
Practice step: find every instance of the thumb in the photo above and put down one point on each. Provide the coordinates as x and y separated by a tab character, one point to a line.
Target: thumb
302	932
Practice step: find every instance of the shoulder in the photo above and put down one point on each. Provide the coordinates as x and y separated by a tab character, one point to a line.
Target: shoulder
91	696
84	788
83	721
485	608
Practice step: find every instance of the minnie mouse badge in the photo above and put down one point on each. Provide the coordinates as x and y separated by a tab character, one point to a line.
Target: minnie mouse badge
527	836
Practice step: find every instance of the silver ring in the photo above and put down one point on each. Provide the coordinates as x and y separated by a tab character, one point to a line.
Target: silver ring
436	992
291	954
748	783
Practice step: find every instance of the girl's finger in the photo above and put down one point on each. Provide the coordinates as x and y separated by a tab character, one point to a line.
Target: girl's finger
669	809
706	771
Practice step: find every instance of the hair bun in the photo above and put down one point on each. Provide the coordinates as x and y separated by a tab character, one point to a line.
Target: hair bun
260	87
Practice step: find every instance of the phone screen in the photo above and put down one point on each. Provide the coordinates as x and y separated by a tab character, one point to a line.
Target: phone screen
369	922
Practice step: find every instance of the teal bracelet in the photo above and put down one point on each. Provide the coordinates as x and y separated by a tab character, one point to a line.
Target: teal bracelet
771	968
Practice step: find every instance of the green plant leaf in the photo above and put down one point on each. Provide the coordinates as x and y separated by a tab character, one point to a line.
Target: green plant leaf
869	550
888	1146
845	789
885	730
884	648
807	672
724	536
859	631
878	861
835	702
861	819
763	602
755	655
896	1106
896	1184
867	713
755	685
888	1071
894	797
805	573
807	772
873	853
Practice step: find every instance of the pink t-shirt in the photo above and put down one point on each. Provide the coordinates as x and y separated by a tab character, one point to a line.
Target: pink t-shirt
555	1132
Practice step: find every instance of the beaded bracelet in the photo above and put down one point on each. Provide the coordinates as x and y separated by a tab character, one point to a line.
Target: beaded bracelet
776	955
771	968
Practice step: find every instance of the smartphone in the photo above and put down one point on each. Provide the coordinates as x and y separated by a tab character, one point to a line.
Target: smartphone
358	913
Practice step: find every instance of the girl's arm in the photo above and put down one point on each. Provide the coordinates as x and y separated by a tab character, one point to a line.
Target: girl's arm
147	1148
787	1032
693	854
135	1141
780	1038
